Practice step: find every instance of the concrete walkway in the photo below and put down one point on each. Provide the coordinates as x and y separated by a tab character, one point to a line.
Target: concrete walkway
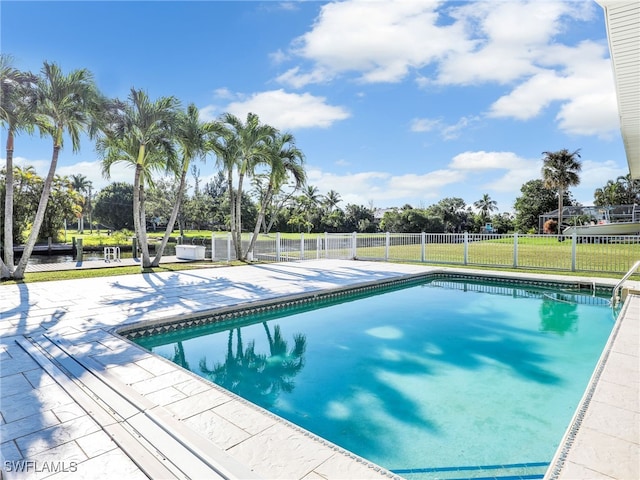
77	401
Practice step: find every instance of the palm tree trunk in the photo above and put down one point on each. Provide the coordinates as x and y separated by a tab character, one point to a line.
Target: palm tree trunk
259	221
232	206
144	247
560	208
238	239
172	219
139	226
18	274
7	266
4	270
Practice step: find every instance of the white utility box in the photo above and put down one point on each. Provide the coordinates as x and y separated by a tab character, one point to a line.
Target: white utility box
190	252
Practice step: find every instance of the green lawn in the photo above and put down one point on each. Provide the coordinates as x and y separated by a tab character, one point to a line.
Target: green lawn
534	253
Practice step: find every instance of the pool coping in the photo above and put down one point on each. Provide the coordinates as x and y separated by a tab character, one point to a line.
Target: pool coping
143	328
424	272
229	314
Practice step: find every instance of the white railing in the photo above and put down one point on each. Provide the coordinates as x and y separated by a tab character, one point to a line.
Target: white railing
615	298
596	253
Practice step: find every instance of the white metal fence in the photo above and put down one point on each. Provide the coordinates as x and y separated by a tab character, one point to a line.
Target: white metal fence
601	253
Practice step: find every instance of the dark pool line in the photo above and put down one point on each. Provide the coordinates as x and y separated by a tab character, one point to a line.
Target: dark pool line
475	467
508	477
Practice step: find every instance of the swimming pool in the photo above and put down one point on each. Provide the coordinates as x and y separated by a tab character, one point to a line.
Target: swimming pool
444	378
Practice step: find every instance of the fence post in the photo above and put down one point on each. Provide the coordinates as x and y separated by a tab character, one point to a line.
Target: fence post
213	247
354	245
423	242
229	247
466	248
318	247
515	250
278	247
301	245
574	243
326	245
79	250
387	241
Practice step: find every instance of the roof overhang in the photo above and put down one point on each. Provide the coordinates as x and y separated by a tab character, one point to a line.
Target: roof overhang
622	18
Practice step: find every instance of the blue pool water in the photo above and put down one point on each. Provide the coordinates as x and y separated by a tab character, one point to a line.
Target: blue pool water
442	379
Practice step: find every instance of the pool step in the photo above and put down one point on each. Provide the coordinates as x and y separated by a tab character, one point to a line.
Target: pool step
160	445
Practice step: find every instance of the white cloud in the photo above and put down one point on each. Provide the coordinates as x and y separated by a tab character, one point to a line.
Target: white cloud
295	79
482	160
209	113
447	132
514	43
278	56
584	86
507	40
379	41
595	175
289	110
120	172
424	124
384	188
223	93
90	169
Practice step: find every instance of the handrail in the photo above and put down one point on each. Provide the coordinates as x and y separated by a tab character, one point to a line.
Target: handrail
615	297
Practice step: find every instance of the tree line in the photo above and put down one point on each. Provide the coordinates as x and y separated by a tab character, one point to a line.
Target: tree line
261	183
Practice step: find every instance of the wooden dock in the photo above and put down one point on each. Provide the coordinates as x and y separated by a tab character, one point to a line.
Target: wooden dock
124	262
52	249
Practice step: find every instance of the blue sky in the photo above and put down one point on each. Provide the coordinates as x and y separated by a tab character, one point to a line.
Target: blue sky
392	102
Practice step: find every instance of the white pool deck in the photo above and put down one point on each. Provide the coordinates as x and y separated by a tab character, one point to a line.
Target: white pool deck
76	401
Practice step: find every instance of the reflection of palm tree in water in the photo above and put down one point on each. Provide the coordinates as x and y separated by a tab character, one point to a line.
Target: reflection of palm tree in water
558	313
179	357
255	376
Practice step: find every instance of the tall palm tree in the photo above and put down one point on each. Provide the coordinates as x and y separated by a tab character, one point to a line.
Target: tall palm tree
244	148
310	200
332	199
225	147
560	171
82	185
65	104
140	132
17	107
486	205
312	195
283	159
192	136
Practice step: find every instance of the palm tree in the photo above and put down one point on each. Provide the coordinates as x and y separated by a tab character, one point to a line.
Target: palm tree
560	171
630	189
243	148
192	136
284	159
65	104
607	195
16	114
306	205
332	199
486	205
140	132
82	185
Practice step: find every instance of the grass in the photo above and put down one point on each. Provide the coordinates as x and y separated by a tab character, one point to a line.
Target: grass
534	255
33	277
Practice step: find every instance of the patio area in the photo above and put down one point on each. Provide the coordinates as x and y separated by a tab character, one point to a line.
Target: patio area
77	401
